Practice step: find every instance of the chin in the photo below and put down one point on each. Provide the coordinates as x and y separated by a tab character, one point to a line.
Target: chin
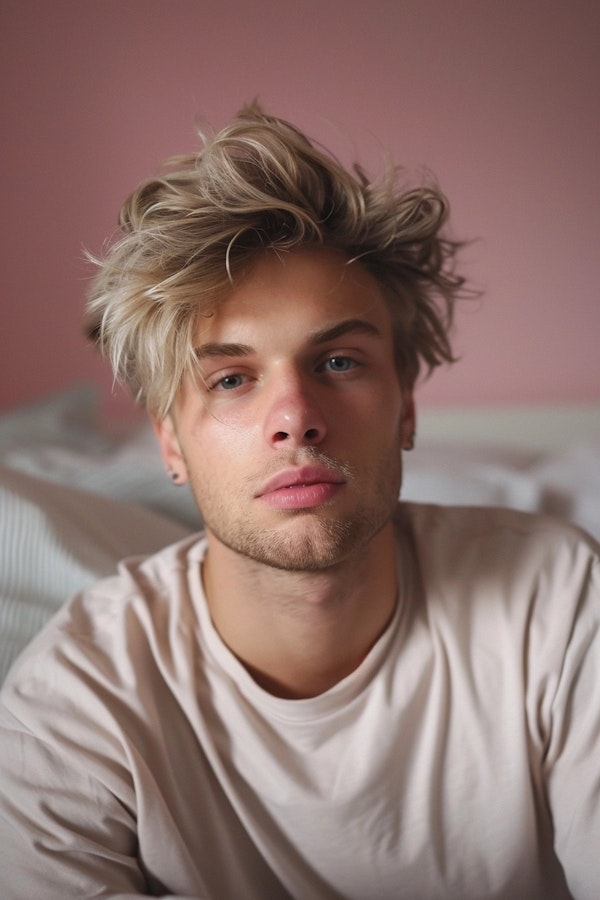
313	545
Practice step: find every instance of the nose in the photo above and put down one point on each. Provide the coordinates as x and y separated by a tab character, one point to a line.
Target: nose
293	416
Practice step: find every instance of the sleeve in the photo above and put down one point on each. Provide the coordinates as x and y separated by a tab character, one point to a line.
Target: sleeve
572	763
62	833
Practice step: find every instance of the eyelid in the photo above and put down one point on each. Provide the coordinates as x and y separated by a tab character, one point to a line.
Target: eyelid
219	385
355	354
212	381
351	358
348	356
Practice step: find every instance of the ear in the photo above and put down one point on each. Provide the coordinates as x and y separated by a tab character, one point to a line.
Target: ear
408	422
170	448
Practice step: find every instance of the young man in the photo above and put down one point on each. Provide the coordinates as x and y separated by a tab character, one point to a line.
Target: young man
329	694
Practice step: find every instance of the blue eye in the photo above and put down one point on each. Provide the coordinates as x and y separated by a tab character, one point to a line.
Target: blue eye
340	363
229	383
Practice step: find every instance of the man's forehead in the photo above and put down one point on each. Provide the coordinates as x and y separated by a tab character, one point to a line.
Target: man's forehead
344	328
318	288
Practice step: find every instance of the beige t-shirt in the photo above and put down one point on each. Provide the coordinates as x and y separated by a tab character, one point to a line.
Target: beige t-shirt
460	760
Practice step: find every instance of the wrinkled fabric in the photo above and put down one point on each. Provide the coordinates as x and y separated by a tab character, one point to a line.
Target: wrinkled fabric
460	760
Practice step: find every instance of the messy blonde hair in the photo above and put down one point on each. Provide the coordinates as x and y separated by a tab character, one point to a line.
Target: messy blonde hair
261	184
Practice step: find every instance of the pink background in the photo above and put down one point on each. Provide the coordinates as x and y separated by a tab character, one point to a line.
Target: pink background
499	99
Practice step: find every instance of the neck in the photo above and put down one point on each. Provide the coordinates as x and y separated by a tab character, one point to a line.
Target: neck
299	633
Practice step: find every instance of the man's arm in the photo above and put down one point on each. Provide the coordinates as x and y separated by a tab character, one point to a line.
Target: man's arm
572	763
62	833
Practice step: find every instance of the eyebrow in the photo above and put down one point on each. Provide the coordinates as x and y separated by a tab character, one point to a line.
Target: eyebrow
214	349
347	326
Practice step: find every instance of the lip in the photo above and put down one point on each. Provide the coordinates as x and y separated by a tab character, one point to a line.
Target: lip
307	475
301	488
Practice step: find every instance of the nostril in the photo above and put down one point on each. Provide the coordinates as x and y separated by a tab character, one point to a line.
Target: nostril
280	436
311	434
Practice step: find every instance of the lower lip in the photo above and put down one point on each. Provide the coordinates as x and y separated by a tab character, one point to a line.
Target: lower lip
301	496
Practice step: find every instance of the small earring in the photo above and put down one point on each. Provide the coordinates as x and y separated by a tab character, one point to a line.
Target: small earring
174	476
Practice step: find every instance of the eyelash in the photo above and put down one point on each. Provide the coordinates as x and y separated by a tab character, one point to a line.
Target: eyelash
220	384
340	357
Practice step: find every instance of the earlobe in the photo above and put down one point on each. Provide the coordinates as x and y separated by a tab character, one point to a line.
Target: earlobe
170	449
408	423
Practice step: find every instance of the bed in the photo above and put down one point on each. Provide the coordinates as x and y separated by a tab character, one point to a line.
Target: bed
76	496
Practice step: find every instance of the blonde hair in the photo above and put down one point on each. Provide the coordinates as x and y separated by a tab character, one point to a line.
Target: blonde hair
261	184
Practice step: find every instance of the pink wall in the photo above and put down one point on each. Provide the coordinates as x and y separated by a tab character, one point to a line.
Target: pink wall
499	99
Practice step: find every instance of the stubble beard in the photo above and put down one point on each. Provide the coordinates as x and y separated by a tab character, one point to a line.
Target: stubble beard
309	540
317	545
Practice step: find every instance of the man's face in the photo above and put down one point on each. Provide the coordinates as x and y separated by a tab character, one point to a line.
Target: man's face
291	435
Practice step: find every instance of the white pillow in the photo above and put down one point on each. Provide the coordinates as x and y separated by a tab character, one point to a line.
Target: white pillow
54	540
67	418
60	440
569	484
470	476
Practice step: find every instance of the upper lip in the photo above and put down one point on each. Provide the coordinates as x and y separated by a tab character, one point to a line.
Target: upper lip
305	475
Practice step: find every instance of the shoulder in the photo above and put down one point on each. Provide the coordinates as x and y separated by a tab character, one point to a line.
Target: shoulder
465	529
508	593
134	618
505	556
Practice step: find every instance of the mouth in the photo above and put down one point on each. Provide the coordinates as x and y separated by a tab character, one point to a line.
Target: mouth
302	488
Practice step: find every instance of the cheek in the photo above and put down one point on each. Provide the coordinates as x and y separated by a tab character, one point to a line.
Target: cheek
215	450
374	446
379	420
224	421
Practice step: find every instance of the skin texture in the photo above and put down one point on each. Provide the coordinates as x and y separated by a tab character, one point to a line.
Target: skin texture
291	438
